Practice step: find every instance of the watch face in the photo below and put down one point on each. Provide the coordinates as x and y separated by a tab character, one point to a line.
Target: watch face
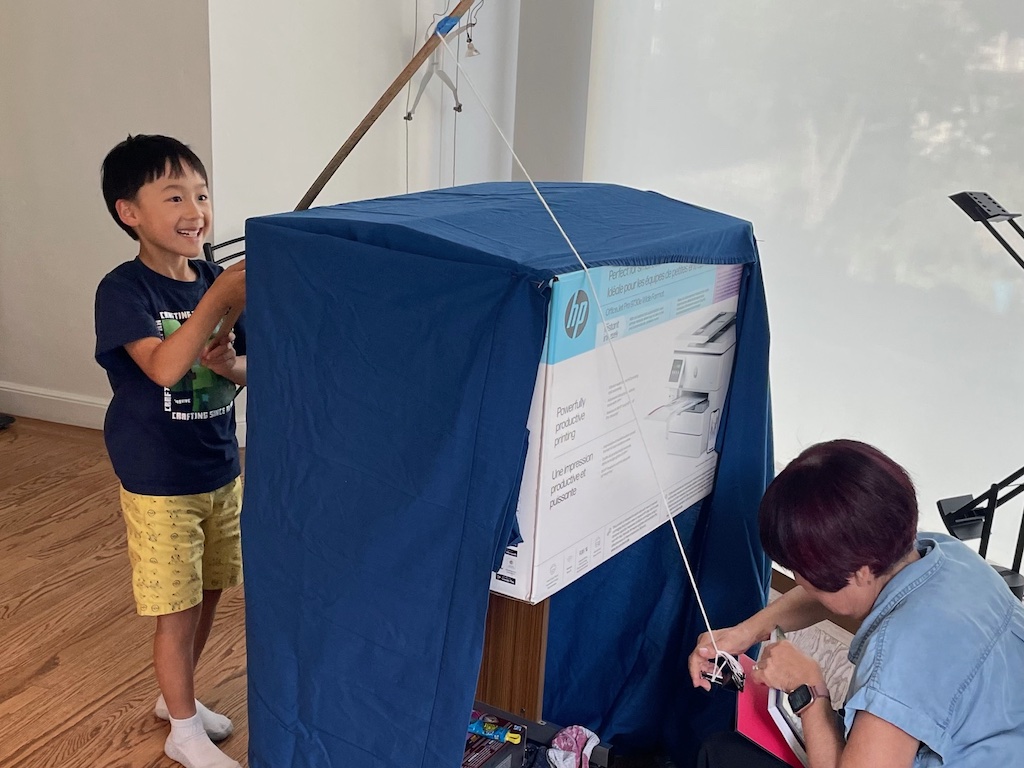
800	698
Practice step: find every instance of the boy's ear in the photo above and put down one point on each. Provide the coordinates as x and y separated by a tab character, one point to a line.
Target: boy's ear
126	210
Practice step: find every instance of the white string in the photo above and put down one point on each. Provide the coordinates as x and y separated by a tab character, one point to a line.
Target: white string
475	11
455	124
408	95
611	347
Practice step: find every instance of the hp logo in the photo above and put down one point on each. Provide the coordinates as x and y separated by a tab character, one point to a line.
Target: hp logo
576	314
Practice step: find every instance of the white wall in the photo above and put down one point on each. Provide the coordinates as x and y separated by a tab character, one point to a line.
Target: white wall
290	84
839	129
552	79
75	79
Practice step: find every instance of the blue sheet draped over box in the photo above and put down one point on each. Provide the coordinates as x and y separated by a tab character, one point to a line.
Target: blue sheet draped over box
393	353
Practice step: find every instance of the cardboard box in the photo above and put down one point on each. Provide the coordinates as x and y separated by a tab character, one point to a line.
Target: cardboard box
590	487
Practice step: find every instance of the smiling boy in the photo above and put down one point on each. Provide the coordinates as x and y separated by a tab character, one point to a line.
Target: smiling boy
170	427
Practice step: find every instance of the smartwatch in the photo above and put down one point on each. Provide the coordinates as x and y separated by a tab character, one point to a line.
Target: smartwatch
805	695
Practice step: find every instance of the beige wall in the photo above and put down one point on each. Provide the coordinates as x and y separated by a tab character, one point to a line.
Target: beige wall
75	78
287	88
552	86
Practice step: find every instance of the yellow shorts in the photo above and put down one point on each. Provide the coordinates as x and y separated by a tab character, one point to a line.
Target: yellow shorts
181	545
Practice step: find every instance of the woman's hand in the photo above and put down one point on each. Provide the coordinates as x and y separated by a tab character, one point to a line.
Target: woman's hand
733	640
784	667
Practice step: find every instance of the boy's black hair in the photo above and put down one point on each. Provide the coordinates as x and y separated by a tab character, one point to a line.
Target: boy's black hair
138	160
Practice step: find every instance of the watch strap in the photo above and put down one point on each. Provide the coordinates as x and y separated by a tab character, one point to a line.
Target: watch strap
819	692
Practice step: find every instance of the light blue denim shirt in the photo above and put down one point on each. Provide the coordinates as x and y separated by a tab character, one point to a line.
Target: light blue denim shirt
941	656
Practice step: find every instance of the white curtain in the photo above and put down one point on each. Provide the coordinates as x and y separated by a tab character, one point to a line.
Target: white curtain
839	129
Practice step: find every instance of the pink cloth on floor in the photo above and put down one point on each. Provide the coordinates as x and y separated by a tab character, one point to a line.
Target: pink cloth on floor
571	747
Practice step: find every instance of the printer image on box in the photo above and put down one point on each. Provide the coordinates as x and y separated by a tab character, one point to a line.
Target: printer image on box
697	382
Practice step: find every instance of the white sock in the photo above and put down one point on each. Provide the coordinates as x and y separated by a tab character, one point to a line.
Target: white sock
189	745
218	727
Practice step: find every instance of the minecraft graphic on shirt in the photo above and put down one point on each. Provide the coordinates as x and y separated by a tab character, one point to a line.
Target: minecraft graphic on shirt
201	393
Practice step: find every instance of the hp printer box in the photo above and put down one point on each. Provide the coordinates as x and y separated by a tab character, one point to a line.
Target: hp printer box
601	439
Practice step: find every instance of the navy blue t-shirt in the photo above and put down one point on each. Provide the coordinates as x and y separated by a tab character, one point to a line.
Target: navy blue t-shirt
163	441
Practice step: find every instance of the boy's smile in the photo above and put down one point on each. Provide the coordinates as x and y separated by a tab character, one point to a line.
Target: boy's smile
171	216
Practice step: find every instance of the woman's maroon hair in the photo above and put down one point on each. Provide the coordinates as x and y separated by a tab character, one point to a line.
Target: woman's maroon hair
838	506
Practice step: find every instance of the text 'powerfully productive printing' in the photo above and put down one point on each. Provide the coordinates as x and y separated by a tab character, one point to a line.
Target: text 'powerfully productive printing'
568	416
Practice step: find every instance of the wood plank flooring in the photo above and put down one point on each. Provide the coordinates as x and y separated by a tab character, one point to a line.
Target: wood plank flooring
76	680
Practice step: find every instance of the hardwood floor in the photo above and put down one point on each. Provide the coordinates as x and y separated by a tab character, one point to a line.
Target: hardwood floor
76	680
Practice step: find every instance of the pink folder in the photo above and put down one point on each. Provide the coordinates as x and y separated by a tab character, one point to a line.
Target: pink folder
754	721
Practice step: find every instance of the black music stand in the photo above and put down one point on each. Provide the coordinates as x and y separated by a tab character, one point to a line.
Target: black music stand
208	250
970	517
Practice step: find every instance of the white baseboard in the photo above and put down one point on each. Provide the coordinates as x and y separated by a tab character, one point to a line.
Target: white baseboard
64	407
52	405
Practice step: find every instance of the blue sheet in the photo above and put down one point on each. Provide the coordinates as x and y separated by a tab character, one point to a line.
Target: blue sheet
393	349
